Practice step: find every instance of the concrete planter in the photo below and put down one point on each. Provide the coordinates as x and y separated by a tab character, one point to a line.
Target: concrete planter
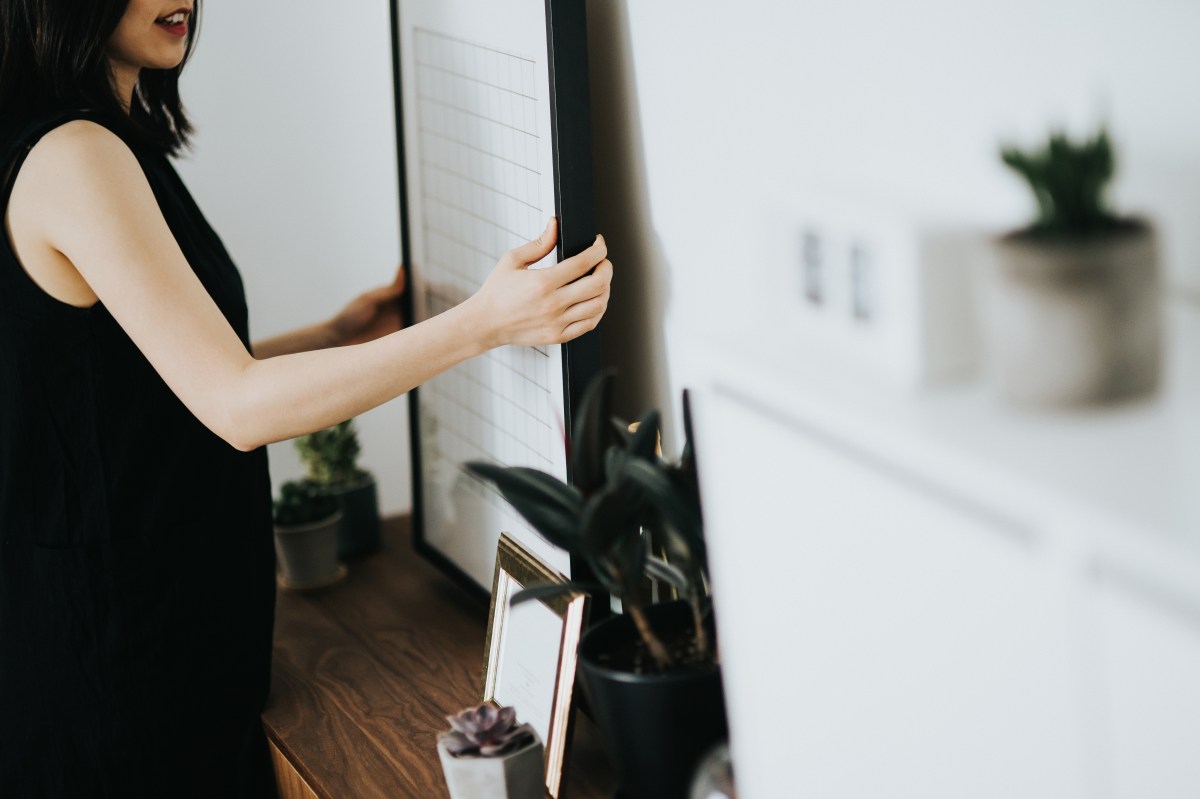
307	553
517	775
1071	323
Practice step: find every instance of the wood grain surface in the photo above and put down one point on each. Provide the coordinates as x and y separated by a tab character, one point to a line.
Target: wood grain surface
287	780
366	671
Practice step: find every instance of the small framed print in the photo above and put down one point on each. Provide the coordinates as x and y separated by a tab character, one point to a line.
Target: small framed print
531	651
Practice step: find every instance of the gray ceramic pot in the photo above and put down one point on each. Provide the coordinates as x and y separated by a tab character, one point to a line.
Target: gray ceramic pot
1074	323
517	775
359	530
307	553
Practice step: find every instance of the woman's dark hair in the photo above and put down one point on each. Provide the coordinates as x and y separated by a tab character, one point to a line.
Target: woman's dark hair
54	57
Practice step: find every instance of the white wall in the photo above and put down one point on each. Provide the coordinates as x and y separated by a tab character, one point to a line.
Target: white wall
706	117
295	167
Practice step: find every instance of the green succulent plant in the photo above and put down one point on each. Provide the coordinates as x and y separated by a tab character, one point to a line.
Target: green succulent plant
331	455
1068	180
300	502
626	503
486	731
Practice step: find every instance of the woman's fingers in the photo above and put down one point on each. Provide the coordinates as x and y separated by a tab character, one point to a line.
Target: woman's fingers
586	309
585	315
522	306
577	329
534	251
577	266
587	287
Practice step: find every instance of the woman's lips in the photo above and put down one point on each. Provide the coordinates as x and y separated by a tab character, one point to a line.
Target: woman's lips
174	24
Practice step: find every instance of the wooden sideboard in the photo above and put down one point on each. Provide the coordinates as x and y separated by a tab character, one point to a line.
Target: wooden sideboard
365	673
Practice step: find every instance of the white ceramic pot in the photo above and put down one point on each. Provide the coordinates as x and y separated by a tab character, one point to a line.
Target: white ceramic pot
517	775
1072	323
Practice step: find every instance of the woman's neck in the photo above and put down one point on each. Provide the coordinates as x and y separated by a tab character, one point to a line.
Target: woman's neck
125	77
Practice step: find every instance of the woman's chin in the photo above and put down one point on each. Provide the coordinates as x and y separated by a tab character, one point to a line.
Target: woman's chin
166	61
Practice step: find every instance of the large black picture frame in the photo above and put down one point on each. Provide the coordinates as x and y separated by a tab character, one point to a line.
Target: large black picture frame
570	111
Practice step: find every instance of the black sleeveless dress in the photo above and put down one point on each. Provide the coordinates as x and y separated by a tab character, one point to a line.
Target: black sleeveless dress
136	561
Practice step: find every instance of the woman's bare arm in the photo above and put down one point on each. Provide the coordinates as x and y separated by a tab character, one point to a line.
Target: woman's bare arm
318	336
83	195
368	316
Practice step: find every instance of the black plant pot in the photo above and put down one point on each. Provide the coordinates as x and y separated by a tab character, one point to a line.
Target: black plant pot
359	531
656	727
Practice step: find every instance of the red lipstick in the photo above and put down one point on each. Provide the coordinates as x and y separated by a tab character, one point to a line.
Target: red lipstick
175	23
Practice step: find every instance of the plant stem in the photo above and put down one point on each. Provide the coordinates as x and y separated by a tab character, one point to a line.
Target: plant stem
657	650
698	622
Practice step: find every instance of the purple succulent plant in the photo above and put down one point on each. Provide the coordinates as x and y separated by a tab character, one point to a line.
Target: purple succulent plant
486	731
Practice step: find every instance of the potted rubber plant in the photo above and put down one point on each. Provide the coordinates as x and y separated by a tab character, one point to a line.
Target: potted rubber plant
1074	298
651	673
331	458
486	754
306	536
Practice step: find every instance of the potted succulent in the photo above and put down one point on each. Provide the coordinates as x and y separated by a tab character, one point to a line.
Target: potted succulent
486	754
651	674
1074	299
306	534
331	457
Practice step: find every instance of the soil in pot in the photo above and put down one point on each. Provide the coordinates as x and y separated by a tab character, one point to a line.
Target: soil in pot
656	726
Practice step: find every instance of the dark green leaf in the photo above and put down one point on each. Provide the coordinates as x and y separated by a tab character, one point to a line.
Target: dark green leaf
614	464
1068	180
550	590
591	435
530	482
677	508
608	518
644	443
612	537
605	568
550	506
620	430
665	572
632	554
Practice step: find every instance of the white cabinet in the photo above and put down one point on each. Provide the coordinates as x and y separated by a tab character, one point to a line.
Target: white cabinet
923	594
1149	643
883	637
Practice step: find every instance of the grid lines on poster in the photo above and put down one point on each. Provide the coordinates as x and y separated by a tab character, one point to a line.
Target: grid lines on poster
480	197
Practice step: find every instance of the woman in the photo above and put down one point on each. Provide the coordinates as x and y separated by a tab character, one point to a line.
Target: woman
136	567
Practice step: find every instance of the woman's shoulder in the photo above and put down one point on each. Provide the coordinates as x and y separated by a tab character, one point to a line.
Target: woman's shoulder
79	133
64	127
79	143
74	157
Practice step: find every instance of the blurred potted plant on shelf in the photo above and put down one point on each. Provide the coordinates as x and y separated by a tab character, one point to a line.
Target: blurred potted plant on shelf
306	535
486	754
651	674
1074	300
331	458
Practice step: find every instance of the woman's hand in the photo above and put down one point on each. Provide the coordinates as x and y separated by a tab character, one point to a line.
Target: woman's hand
371	315
367	317
519	305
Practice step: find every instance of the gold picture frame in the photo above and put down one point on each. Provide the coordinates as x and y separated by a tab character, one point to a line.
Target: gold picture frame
532	650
